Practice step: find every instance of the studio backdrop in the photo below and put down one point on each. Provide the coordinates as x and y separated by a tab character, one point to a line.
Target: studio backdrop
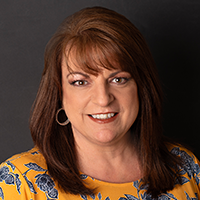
170	27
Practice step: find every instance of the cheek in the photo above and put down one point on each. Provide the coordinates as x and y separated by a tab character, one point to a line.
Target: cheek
67	103
69	96
133	104
72	104
132	95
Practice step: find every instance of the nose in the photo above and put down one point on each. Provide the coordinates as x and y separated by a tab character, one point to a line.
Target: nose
102	95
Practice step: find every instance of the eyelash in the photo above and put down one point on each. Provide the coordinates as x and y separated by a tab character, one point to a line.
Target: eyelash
114	80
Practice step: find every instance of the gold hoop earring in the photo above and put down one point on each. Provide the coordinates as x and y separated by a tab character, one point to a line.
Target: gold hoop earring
61	117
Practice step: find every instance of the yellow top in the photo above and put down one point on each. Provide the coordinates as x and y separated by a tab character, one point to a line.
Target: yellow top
24	177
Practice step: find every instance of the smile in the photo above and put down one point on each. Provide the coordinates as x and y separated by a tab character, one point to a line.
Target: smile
103	116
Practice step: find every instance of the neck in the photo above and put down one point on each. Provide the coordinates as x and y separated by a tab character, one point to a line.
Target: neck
109	162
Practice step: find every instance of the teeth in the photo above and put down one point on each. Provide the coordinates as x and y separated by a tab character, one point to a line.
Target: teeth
103	116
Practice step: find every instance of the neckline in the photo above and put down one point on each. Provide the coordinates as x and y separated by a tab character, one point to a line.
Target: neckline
88	178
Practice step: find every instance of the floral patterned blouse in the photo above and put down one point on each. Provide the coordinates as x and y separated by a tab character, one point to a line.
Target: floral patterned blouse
25	177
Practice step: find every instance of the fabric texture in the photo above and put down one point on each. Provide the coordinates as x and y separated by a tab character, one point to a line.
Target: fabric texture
25	177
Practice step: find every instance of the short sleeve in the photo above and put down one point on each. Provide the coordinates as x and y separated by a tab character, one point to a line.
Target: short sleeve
12	183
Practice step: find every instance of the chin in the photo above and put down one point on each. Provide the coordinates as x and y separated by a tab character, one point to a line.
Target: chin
105	137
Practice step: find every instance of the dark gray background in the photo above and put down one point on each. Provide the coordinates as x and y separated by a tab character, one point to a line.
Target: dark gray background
171	28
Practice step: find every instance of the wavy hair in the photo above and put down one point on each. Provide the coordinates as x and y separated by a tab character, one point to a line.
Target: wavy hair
100	35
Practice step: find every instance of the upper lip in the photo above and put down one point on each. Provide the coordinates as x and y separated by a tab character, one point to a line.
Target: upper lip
99	113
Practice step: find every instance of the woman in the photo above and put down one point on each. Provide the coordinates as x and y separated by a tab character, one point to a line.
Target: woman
96	121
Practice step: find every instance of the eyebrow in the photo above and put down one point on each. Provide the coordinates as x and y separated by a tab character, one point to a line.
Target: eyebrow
80	73
115	73
86	76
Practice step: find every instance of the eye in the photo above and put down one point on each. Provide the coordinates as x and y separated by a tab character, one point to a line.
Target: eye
120	80
79	83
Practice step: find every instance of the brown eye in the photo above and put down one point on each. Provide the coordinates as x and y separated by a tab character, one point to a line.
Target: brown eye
119	80
80	83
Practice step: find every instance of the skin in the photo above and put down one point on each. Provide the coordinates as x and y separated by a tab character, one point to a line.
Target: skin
105	141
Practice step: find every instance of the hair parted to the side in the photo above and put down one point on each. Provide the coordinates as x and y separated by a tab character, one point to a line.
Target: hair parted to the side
101	36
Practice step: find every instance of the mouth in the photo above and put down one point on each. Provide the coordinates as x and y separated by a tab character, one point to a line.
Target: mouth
103	116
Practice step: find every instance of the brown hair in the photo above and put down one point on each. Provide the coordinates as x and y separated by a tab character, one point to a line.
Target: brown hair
99	34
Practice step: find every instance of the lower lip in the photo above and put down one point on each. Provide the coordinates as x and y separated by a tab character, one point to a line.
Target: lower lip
103	121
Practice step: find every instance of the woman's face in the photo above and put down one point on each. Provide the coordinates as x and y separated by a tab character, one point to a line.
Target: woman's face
101	108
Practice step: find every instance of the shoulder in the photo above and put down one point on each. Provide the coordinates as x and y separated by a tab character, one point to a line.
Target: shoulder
22	160
31	160
19	175
190	164
186	155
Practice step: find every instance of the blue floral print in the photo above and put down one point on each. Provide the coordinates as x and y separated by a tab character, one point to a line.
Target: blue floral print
188	198
35	167
35	152
99	197
43	181
128	197
83	176
46	184
6	176
30	185
145	196
83	196
190	168
1	194
12	166
10	178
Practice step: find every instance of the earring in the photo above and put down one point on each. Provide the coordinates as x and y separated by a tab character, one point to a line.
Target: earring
61	117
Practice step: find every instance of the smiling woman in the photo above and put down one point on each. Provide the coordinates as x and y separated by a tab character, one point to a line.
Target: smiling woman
99	99
96	121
